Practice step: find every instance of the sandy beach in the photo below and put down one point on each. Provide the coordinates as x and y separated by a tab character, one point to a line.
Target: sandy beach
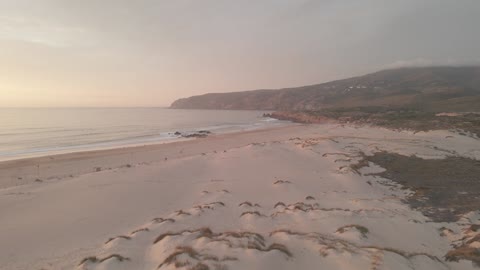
280	198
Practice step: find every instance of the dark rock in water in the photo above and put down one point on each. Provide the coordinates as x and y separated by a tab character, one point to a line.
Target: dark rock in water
195	135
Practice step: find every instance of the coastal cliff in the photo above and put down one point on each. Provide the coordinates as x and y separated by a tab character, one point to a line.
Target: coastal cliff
424	88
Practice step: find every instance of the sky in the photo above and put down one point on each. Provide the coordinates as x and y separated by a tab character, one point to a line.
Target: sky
124	53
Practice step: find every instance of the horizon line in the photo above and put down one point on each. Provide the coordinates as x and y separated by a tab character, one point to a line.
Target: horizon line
84	107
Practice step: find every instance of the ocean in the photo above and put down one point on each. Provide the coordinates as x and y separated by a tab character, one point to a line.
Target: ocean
41	131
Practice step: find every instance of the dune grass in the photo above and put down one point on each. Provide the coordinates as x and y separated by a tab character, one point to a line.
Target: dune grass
181	212
275	246
117	237
94	259
361	229
362	163
161	220
163	235
339	154
181	250
204	232
256	236
216	203
190	258
200	266
474	227
210	206
343	160
255	213
464	253
279	247
195	257
286	231
279	204
281	182
247	203
405	254
116	256
139	230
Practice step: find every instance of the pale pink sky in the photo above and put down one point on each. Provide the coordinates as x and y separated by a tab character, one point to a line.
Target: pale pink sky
151	52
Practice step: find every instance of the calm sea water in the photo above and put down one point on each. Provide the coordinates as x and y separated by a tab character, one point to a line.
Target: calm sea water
35	132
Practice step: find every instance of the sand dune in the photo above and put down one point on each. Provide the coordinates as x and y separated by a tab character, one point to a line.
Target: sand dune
286	198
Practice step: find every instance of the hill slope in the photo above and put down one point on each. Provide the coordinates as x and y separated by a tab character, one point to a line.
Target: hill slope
425	88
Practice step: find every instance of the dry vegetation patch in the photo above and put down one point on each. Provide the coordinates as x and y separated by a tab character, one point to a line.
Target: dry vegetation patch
161	220
209	206
255	213
249	204
94	259
203	232
187	256
464	253
361	229
444	189
181	212
279	204
139	230
281	182
328	243
118	237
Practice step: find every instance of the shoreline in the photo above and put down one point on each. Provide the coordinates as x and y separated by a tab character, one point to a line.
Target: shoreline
88	149
129	143
53	132
33	166
121	149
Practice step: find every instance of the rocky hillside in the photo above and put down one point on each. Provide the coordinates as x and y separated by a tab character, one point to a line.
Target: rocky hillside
425	88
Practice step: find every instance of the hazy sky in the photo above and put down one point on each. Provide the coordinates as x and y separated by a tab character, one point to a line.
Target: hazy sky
150	52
